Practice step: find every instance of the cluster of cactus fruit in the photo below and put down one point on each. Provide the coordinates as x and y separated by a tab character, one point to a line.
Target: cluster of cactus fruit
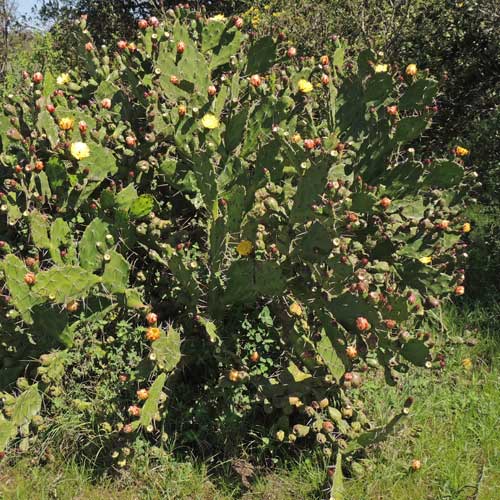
176	180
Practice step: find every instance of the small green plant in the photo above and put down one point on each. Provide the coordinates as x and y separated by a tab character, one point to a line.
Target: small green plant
234	236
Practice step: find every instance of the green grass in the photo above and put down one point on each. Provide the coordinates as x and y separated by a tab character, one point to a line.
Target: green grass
454	430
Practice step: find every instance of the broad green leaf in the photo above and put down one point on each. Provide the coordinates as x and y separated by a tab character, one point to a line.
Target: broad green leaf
211	35
337	492
126	197
168	349
229	46
235	129
261	56
151	405
141	206
91	257
7	432
211	329
63	284
330	357
297	374
444	174
27	405
410	128
39	230
22	296
269	279
133	299
416	352
116	272
314	245
363	202
418	95
100	164
240	287
47	126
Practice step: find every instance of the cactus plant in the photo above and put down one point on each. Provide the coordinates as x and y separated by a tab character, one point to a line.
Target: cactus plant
201	179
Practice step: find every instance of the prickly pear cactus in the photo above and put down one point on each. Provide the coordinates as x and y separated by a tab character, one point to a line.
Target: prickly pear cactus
239	209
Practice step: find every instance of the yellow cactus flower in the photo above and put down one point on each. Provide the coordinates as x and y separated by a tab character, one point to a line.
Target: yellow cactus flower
63	79
381	68
153	333
66	123
304	86
296	138
244	248
460	151
425	260
80	150
210	121
411	69
295	309
295	401
466	228
219	18
467	364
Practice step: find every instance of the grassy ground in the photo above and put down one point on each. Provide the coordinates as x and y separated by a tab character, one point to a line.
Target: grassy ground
453	430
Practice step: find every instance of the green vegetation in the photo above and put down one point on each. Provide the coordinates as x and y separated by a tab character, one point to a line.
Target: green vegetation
452	429
228	251
459	43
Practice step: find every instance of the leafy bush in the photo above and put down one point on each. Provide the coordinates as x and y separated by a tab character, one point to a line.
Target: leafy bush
28	51
204	235
459	41
483	264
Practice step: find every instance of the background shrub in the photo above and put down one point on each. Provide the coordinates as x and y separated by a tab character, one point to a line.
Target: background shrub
457	41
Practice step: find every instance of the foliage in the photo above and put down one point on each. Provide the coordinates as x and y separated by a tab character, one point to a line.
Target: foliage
454	401
484	253
27	50
457	40
213	236
106	19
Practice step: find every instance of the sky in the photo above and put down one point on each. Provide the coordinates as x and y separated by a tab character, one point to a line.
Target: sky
25	6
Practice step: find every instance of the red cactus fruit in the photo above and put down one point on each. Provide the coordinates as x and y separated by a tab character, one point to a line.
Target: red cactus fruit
255	81
392	110
151	318
37	77
106	103
30	279
134	411
362	324
390	323
181	47
154	22
309	144
351	352
254	357
142	394
385	202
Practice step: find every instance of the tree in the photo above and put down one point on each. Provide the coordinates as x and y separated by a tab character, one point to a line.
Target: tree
7	13
108	19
